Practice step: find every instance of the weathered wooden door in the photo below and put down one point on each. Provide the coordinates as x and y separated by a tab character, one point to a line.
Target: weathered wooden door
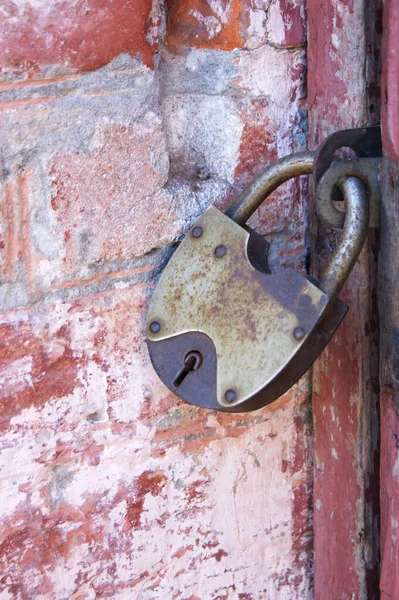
121	121
389	307
343	92
356	492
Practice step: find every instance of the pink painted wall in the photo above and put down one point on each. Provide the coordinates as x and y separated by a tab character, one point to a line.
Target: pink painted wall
120	123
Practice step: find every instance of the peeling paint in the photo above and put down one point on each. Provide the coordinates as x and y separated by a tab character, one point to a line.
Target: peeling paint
345	400
112	487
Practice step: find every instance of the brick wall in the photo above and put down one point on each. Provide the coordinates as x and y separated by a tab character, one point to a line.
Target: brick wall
121	121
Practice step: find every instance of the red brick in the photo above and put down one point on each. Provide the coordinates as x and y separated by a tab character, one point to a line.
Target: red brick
232	24
287	23
258	144
83	35
203	24
108	204
9	231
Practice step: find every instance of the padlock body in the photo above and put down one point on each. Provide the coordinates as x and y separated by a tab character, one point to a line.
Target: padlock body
256	332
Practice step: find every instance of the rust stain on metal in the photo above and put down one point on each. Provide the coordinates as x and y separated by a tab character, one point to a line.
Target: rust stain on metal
248	316
256	321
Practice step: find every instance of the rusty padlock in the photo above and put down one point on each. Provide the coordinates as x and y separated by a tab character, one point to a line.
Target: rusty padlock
224	332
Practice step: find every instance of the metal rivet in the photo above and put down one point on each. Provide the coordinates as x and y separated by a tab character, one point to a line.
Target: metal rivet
155	327
220	251
299	333
230	395
197	231
305	301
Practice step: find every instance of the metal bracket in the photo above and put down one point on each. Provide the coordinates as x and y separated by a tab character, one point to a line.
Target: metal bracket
367	144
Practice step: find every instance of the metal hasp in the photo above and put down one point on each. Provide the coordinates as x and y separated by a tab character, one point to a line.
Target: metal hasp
366	143
224	332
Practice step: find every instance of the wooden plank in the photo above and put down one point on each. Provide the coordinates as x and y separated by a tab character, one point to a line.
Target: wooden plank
389	307
345	377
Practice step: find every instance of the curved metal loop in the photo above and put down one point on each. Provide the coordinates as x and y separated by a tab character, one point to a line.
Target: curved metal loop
353	236
356	216
267	181
365	169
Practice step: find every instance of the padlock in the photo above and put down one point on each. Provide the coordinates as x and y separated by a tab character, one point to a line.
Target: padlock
224	332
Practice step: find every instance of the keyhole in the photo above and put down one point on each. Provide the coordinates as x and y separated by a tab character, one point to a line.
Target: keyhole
192	362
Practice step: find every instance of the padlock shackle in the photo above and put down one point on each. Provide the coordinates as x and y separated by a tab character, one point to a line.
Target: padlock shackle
267	181
352	239
356	217
225	352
